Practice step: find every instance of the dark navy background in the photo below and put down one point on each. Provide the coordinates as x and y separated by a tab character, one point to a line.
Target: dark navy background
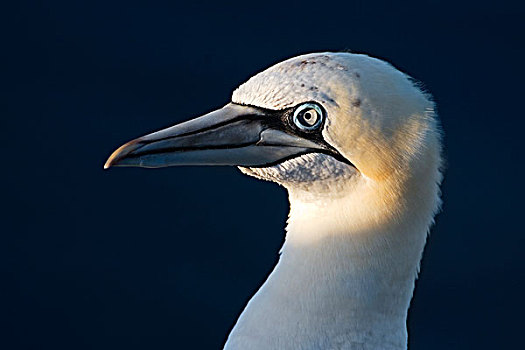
167	259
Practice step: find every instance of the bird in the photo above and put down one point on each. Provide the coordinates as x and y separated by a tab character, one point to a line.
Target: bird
357	144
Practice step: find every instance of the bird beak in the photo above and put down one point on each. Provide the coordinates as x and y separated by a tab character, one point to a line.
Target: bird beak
233	135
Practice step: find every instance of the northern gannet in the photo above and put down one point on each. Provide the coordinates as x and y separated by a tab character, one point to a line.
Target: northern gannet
357	145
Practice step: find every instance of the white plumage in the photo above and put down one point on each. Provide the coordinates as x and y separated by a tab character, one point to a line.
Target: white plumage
354	238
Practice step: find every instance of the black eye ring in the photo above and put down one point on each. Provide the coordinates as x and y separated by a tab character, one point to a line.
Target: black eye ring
308	116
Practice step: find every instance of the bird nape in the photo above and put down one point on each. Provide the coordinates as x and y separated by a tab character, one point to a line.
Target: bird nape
357	145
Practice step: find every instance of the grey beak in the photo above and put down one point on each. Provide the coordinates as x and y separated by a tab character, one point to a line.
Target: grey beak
233	135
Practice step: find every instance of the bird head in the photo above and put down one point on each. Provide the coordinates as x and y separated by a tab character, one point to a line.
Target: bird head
308	122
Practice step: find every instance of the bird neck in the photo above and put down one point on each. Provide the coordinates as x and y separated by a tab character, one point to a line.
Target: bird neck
346	272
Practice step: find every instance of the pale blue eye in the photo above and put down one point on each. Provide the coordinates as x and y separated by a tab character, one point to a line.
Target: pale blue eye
308	116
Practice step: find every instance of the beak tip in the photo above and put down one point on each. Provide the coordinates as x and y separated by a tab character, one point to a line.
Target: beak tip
121	153
112	159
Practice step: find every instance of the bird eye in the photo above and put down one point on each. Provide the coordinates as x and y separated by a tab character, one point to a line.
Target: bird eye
308	116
